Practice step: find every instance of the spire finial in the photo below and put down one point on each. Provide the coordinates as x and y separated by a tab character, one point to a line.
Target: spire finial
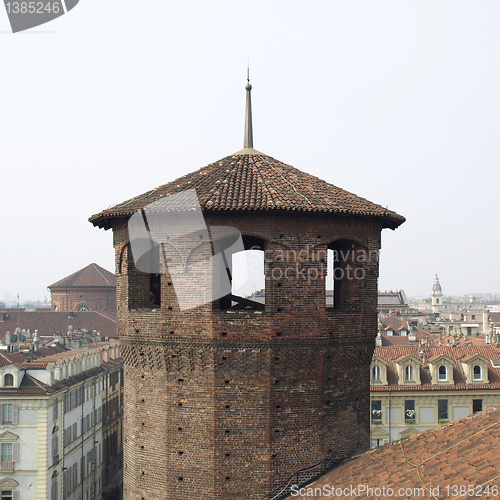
248	139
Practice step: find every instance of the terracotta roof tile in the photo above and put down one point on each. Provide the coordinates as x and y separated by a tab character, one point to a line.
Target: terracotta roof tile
255	181
90	276
48	323
460	453
458	354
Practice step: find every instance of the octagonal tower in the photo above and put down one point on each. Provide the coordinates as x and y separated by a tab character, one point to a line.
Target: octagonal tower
241	396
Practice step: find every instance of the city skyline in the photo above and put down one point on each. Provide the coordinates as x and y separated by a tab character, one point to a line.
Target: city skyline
396	103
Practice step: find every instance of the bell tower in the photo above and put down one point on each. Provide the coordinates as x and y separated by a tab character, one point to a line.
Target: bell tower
437	296
229	396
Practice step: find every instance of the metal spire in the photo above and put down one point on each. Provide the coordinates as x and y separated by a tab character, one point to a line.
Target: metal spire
248	140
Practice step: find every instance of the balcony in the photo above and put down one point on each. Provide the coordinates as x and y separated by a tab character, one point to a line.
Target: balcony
7	467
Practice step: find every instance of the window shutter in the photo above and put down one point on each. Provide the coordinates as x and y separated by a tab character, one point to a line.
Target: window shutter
15	452
15	414
15	495
1	414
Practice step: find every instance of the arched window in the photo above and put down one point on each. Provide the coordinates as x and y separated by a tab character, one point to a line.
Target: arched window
8	380
477	373
376	373
442	373
409	373
246	272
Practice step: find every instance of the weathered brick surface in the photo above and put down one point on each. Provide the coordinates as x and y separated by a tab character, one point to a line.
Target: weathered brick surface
231	404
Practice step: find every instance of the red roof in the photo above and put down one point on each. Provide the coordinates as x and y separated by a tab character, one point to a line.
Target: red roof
458	354
90	276
250	180
48	323
461	453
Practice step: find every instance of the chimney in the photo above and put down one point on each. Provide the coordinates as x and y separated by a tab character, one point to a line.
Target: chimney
36	342
486	321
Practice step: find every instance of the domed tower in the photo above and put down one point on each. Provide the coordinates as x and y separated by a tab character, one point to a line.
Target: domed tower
229	397
437	296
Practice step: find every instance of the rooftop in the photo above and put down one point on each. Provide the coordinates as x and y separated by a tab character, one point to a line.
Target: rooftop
50	322
457	354
90	276
253	181
463	452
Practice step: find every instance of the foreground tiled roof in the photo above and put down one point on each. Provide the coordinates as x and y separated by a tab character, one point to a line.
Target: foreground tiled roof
463	452
90	276
457	353
250	180
48	323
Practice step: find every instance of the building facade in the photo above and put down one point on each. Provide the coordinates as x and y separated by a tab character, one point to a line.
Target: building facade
416	387
92	288
51	427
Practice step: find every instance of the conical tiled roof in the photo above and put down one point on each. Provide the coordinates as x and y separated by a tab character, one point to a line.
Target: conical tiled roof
90	276
252	181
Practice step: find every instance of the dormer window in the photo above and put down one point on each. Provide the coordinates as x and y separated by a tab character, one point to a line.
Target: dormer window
475	369
404	332
409	373
8	380
389	332
378	371
442	373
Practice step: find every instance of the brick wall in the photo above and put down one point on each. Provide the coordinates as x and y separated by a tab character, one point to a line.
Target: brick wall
230	404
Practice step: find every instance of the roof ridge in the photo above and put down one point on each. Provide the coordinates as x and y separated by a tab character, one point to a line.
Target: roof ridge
98	269
37	382
285	179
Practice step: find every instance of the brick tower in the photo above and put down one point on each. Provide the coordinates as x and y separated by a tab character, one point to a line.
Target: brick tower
235	397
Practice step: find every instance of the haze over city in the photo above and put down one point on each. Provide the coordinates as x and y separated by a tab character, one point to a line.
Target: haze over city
396	102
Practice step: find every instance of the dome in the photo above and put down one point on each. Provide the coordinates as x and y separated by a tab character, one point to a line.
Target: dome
436	287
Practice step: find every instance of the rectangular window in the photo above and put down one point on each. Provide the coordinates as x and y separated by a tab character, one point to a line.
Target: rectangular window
477	405
9	414
376	411
53	494
55	446
7	494
82	467
442	410
6	414
410	411
6	452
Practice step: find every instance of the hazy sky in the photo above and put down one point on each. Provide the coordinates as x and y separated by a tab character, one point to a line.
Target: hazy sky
397	101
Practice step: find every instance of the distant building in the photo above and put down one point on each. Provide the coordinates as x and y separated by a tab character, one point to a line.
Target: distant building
60	423
89	289
391	301
417	387
437	296
49	323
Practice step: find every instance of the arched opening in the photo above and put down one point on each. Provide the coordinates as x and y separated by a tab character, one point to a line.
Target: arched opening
144	277
246	273
346	272
442	373
477	372
8	380
376	373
